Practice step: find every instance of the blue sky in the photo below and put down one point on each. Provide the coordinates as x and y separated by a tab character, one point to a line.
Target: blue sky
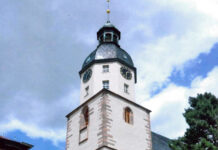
174	45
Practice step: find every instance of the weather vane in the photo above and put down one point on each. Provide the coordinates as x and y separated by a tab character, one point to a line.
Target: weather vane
108	11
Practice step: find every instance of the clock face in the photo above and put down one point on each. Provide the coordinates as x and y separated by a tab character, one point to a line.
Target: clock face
87	75
126	73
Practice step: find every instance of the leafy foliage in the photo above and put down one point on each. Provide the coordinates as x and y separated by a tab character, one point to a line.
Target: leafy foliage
202	118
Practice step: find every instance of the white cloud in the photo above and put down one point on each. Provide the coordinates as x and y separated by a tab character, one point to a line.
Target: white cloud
34	131
208	7
209	84
193	29
196	24
196	33
167	107
37	118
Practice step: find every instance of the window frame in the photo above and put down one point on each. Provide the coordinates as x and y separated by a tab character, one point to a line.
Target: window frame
87	91
128	116
115	38
85	113
105	68
106	84
126	88
84	123
108	37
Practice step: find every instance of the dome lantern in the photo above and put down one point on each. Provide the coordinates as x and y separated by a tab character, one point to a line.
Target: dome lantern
108	34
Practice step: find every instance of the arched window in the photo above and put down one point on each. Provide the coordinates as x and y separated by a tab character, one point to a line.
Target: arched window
85	113
108	37
115	38
84	122
128	115
101	38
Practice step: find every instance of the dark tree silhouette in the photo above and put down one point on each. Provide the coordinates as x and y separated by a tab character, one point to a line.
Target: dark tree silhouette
202	118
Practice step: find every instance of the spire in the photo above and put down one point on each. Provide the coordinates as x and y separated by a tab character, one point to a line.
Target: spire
108	33
108	11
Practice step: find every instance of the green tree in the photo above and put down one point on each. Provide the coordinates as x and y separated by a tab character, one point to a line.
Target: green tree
202	118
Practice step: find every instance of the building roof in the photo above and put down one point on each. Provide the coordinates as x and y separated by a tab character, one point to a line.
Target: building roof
11	144
108	51
160	142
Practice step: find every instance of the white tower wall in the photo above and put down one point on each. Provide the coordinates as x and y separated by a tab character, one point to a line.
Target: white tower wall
73	128
116	81
136	136
107	128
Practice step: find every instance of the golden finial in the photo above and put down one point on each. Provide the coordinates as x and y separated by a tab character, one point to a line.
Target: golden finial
108	11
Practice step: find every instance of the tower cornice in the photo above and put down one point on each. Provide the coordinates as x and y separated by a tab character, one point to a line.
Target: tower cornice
109	60
105	91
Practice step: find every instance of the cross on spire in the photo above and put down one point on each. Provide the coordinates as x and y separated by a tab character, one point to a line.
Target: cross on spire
108	11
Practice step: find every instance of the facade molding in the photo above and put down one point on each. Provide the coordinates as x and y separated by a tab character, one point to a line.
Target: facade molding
109	92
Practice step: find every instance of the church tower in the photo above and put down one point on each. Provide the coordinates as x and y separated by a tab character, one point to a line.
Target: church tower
108	117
